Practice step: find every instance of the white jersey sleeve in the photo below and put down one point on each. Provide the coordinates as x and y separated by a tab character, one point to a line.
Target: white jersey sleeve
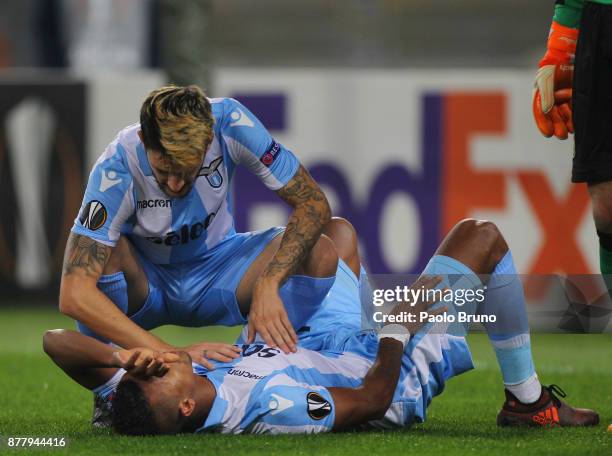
251	145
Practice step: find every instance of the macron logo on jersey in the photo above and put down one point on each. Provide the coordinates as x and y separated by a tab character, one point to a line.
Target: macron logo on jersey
244	373
109	179
240	119
145	204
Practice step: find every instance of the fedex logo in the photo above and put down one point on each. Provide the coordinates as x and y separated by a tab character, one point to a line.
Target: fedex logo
446	189
465	189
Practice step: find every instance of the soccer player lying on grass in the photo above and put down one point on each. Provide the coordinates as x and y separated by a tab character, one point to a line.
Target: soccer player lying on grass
357	378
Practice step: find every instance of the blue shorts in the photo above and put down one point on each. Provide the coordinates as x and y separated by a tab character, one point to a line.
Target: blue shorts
202	292
339	314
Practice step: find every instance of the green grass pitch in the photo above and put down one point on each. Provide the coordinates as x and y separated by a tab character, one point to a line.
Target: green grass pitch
36	399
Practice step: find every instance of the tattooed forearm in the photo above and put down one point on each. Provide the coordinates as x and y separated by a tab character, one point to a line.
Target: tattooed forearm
86	255
311	213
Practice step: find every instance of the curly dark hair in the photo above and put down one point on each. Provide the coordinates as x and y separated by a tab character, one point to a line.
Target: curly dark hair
131	412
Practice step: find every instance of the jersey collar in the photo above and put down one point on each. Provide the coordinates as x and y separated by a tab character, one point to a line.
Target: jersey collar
217	411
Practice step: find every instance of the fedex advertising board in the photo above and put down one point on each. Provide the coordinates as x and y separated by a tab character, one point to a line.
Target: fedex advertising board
404	155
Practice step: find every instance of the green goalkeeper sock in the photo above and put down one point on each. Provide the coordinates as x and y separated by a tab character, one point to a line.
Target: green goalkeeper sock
605	261
605	266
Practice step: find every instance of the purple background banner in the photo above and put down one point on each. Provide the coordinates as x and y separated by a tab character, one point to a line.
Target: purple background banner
423	188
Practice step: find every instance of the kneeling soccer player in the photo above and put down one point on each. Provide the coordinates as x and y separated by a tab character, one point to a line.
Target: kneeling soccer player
355	378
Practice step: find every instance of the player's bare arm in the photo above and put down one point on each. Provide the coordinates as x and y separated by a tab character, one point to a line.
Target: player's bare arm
311	212
370	401
80	298
87	361
85	256
91	363
357	406
84	261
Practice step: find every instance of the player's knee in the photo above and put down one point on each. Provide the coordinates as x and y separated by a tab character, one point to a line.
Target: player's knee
344	237
487	235
482	229
50	340
323	259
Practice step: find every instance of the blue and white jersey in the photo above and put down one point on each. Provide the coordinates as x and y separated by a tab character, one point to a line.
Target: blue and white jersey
267	391
123	197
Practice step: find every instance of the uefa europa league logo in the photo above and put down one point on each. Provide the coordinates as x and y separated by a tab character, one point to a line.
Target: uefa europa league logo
30	127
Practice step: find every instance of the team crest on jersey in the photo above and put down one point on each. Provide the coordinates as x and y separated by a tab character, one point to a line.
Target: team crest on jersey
318	407
94	215
212	174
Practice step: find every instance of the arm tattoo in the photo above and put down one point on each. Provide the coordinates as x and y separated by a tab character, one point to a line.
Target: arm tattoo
85	254
311	212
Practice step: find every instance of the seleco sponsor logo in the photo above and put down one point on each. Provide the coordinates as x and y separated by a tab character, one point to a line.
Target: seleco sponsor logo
145	204
185	234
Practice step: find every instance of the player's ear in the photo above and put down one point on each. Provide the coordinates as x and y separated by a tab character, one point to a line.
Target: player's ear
140	136
187	406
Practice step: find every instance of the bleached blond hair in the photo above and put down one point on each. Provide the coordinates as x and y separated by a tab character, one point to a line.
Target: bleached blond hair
178	123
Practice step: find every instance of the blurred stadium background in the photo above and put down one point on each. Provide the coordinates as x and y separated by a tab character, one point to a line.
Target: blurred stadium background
412	114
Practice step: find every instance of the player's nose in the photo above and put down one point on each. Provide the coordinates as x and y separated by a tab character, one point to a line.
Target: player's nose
175	183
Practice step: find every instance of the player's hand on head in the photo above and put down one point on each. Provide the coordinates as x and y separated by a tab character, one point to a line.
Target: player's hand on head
269	319
552	93
423	305
128	358
202	352
142	362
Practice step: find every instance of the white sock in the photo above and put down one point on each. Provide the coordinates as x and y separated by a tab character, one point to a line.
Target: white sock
528	391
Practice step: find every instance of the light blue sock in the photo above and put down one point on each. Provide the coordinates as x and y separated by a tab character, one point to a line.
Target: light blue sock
509	335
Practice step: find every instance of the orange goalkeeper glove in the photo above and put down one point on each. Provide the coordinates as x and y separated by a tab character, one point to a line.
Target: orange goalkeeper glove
552	94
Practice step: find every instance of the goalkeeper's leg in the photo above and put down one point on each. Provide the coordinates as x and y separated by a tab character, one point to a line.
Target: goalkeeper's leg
601	199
